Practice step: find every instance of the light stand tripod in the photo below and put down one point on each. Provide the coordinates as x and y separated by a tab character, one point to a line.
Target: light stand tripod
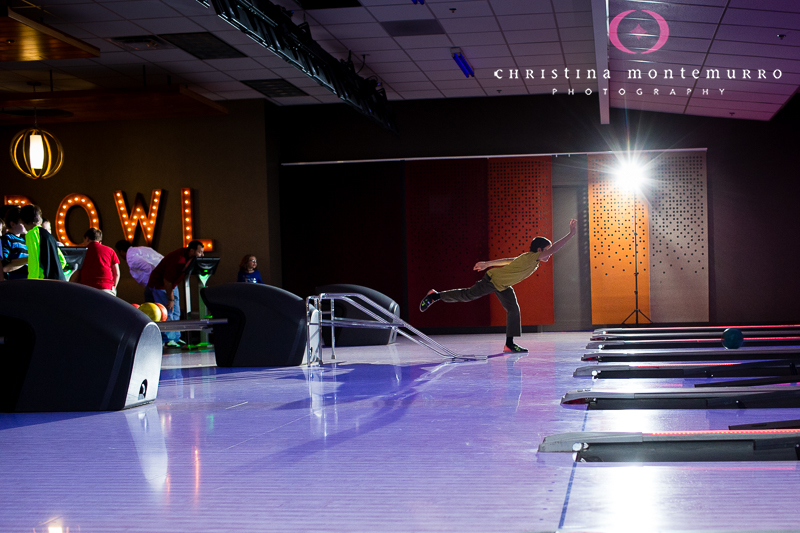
636	312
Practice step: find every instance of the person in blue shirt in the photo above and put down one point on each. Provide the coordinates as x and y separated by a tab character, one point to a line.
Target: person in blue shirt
247	270
15	252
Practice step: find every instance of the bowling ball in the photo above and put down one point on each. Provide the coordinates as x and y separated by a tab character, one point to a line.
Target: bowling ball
732	338
151	310
164	312
136	306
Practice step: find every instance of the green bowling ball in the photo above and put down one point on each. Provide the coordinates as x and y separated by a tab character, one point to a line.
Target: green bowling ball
732	338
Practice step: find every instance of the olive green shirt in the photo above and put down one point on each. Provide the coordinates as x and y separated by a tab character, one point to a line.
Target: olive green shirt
514	272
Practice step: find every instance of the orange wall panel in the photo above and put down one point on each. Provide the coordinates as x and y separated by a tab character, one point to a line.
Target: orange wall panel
521	208
611	244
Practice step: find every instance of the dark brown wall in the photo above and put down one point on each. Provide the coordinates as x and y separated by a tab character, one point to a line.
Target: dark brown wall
229	161
752	172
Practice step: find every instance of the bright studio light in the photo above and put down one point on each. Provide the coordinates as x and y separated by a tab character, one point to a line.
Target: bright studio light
630	175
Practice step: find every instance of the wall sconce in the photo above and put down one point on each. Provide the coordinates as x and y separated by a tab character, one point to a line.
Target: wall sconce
138	215
462	63
70	201
37	153
186	218
16	199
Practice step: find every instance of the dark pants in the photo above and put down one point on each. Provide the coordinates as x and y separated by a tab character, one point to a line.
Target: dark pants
507	299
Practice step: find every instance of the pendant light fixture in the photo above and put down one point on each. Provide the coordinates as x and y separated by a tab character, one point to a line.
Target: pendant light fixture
35	152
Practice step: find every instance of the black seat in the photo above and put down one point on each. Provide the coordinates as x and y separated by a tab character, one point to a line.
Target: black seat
266	325
68	347
359	336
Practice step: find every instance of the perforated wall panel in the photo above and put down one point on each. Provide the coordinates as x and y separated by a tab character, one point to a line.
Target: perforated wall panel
679	238
611	212
447	233
521	208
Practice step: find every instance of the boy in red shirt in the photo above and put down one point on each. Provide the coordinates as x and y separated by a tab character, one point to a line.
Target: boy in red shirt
100	268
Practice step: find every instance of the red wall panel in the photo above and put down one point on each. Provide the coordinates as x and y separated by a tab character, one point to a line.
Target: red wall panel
447	233
521	208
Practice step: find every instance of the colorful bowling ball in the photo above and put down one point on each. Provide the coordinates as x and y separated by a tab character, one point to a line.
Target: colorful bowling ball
136	306
151	310
164	312
732	338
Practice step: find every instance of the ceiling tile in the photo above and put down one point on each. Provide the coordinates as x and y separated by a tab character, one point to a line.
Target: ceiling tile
527	22
493	63
571	20
400	77
578	47
467	39
121	28
295	100
367	45
756	35
572	5
343	15
189	8
732	105
752	63
400	66
576	34
158	56
194	65
255	74
424	41
697	30
212	23
757	50
235	63
464	8
217	86
357	31
768	19
476	52
143	9
90	12
430	54
723	113
521	7
420	95
240	94
407	11
386	56
444	64
254	50
463	83
463	93
403	87
206	77
531	36
170	25
445	75
533	49
789	6
470	25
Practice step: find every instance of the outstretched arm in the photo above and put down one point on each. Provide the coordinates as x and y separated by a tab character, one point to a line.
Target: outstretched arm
483	265
556	246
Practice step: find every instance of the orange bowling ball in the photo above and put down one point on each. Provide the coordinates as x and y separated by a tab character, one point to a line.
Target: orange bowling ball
164	312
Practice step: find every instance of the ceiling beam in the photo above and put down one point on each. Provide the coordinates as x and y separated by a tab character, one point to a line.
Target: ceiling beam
24	39
600	24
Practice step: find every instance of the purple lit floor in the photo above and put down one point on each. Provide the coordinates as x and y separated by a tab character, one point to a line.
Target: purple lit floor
390	438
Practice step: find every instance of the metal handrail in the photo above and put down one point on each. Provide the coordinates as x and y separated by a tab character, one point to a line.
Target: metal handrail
389	321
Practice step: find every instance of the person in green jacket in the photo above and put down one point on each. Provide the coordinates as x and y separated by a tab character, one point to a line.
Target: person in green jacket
45	260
